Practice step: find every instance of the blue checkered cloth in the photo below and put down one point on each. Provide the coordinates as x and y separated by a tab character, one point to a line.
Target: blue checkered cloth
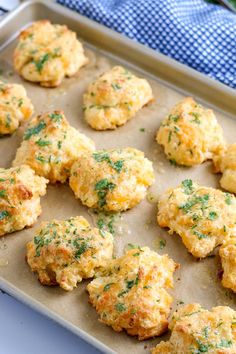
198	34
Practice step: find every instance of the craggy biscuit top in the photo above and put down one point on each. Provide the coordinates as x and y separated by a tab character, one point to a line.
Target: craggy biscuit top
204	217
114	98
15	107
65	252
46	53
130	293
111	179
50	146
196	330
190	134
20	192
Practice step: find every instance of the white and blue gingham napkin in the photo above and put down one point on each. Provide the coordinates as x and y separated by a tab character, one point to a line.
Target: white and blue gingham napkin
194	32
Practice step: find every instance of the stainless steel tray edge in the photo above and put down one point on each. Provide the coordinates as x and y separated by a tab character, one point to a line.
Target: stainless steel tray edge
168	69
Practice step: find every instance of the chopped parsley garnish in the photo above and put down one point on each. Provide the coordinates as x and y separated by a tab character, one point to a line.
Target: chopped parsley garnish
102	187
41	61
187	185
41	159
196	117
203	348
142	130
227	198
59	144
8	120
3	193
200	235
224	343
82	248
120	307
169	136
174	117
56	117
173	162
41	142
202	200
116	87
206	331
162	244
212	215
4	214
104	156
34	131
39	242
20	102
107	287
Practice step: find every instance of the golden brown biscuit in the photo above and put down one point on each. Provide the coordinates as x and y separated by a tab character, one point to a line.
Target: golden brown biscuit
46	53
226	163
20	192
50	146
114	98
204	217
130	292
66	251
112	180
228	259
190	134
196	330
15	107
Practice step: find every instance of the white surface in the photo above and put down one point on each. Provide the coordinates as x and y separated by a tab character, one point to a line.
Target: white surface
24	331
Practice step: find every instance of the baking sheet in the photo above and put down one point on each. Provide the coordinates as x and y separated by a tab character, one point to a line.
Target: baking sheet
194	282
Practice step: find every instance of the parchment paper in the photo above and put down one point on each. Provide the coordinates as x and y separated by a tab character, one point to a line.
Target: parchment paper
196	281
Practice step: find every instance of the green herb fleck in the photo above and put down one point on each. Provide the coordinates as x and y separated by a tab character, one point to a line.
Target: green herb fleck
212	215
41	61
3	193
82	248
227	198
41	142
120	307
56	117
224	343
187	185
104	156
8	120
200	235
34	131
162	244
4	214
116	87
107	287
103	187
196	117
